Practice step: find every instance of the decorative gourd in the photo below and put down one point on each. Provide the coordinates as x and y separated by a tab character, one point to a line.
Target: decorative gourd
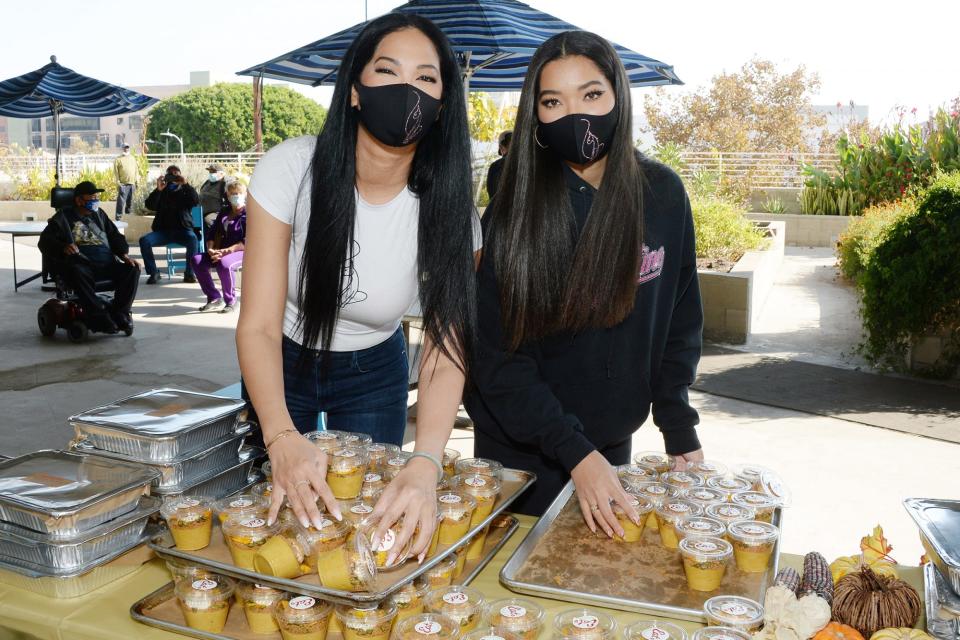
845	565
838	631
901	633
869	603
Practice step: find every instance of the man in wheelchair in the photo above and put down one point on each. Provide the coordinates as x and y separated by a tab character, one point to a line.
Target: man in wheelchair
82	245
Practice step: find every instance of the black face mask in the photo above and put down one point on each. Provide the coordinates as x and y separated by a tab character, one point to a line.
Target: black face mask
397	114
580	138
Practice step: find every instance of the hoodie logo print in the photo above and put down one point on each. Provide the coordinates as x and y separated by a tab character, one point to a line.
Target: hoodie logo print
591	146
414	124
651	264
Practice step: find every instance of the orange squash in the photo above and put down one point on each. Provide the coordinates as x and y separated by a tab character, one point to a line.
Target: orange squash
838	631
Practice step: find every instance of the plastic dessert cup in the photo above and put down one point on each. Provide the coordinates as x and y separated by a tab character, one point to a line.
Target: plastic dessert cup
245	536
518	616
728	485
668	514
485	489
355	511
190	519
753	542
373	485
700	527
409	600
708	468
584	624
682	480
455	509
353	439
284	555
659	461
426	626
656	493
245	504
342	561
734	612
633	532
704	496
482	466
392	466
720	633
462	604
489	633
441	575
752	473
727	512
379	452
264	490
631	474
654	630
763	504
450	458
366	623
345	471
259	603
325	440
303	618
183	570
387	545
205	603
705	562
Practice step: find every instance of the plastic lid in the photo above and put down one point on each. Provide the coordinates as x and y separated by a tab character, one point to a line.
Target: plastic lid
773	484
707	468
581	622
186	508
678	508
366	617
428	626
441	568
704	496
753	532
518	615
654	630
325	440
181	569
639	472
705	549
205	591
728	483
490	633
330	530
483	466
641	503
701	526
240	505
720	633
263	489
259	594
682	479
397	462
455	503
382	450
251	527
655	491
450	457
387	544
733	610
662	462
355	511
356	439
298	608
755	500
408	592
752	473
344	459
478	485
455	601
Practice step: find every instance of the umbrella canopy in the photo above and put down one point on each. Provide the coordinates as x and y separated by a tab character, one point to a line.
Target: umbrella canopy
494	40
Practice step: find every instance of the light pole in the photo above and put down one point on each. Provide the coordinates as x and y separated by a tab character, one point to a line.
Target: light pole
179	140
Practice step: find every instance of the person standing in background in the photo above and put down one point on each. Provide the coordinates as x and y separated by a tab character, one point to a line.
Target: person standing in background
213	195
127	172
493	173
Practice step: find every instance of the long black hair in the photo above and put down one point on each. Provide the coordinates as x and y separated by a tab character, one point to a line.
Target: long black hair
549	281
440	176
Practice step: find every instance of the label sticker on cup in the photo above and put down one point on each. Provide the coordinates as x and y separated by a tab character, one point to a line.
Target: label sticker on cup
756	498
653	459
655	633
457	597
396	462
734	609
254	523
372	477
204	585
325	522
475	481
241	503
705	546
427	628
634	470
513	611
656	490
753	529
702	494
302	602
345	453
683	477
729	511
361	509
481	464
730	483
376	448
389	539
450	498
698	525
186	504
586	622
678	507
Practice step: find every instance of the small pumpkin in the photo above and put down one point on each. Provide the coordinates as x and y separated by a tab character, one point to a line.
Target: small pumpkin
869	602
838	631
901	633
845	565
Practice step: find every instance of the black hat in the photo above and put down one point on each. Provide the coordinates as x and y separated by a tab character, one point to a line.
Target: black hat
125	146
86	188
214	167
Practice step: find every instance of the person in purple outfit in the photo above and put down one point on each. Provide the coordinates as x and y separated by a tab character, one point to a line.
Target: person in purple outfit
224	251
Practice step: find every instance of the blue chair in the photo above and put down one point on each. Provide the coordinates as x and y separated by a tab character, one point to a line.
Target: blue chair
173	263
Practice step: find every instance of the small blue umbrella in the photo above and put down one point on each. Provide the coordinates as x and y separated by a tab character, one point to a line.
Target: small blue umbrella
494	40
53	89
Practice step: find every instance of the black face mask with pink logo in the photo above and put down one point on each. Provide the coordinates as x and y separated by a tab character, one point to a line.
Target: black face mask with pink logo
397	114
580	138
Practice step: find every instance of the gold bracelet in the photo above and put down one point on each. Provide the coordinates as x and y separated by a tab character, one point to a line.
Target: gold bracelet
282	434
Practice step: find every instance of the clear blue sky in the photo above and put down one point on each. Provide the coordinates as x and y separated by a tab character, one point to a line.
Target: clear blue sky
878	53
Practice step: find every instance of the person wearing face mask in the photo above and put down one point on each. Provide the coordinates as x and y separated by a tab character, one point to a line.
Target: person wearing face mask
496	167
82	245
213	195
589	304
172	200
356	225
224	251
127	172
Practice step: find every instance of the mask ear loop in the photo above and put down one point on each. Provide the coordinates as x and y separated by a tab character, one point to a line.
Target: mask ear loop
535	139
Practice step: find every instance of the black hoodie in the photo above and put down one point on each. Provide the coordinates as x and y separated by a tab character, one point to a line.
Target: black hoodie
562	397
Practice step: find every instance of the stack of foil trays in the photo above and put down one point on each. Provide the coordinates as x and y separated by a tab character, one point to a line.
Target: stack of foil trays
939	524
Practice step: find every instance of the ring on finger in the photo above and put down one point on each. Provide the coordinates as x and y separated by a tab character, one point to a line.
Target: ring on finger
301	482
595	507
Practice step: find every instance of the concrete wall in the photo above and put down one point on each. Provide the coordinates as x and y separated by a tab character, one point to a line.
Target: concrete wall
926	350
808	230
789	196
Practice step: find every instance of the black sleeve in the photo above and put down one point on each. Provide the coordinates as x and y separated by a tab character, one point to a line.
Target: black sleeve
118	242
513	390
493	177
189	196
51	241
153	200
672	412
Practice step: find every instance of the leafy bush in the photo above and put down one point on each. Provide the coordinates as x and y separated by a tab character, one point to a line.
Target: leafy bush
911	282
773	204
866	232
723	231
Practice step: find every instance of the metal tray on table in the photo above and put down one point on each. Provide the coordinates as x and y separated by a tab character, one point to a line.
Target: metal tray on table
939	523
561	559
159	425
64	494
216	557
942	605
219	483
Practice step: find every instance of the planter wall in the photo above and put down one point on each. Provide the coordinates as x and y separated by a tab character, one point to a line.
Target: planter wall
927	349
788	196
804	230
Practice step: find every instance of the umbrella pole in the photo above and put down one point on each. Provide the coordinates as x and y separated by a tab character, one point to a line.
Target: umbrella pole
55	107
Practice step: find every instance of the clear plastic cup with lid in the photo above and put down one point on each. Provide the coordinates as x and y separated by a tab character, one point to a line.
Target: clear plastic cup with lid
244	537
707	468
763	504
463	604
348	566
244	504
426	626
654	630
355	511
284	555
441	574
483	466
728	485
772	484
669	512
354	439
184	570
682	480
752	473
331	535
190	520
489	633
584	624
409	599
380	452
705	562
372	622
374	482
325	440
734	612
519	616
259	603
455	510
700	526
632	532
346	467
727	512
720	633
632	474
662	462
485	489
656	493
303	617
704	496
394	465
205	602
449	462
753	544
267	470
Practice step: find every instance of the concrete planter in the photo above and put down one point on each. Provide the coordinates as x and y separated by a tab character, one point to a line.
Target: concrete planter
732	301
789	197
805	230
927	349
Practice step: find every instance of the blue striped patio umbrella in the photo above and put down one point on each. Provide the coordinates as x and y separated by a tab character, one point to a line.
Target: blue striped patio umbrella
53	89
494	40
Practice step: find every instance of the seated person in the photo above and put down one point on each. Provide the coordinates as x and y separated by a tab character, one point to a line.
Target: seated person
81	244
172	200
224	251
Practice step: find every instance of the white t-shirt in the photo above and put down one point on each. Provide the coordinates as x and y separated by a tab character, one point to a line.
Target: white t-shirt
382	286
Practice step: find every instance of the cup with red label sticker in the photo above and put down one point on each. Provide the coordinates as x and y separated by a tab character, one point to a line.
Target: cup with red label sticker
190	520
259	603
372	622
346	467
659	461
387	553
516	615
355	511
728	485
485	489
753	544
763	504
584	623
705	561
303	617
426	626
654	630
669	513
720	633
632	474
245	535
643	506
734	612
245	504
379	453
463	604
483	466
455	509
700	526
205	602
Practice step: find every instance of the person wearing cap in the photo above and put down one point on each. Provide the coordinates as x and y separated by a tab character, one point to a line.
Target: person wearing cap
127	172
172	200
213	195
82	245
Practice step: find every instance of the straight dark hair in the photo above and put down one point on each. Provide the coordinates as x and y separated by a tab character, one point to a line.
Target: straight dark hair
440	176
550	282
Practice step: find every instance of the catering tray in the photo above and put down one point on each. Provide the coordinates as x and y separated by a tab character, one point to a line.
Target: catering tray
219	482
561	559
159	609
183	470
63	494
216	557
159	425
942	605
939	523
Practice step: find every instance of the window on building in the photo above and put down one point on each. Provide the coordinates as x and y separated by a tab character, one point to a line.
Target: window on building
136	122
119	140
74	123
35	124
119	120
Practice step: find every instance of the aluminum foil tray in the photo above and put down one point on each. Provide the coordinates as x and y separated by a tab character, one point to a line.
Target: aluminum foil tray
220	482
160	425
64	494
942	605
939	523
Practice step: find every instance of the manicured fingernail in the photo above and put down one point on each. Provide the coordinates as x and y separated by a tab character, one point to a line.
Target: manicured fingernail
318	523
391	559
336	514
304	522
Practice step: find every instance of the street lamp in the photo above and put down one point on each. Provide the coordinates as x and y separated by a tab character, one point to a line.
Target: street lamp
178	139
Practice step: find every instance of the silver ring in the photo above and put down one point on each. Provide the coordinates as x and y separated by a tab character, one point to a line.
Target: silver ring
300	483
595	507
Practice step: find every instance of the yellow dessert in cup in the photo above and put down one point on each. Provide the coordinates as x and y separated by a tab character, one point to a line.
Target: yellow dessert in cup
283	555
734	612
705	562
753	543
485	489
662	462
668	514
584	624
450	458
409	600
682	480
763	505
462	604
366	623
632	532
519	616
379	452
190	519
727	512
656	493
245	536
441	574
303	618
245	504
205	602
482	466
699	527
343	561
654	630
345	470
455	510
426	626
259	603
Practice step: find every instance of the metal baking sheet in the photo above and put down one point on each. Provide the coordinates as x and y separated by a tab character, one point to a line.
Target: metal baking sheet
942	605
63	494
939	523
218	483
561	559
216	557
159	425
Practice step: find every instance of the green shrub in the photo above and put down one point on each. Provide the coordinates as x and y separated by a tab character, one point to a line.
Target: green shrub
723	231
911	282
773	204
865	232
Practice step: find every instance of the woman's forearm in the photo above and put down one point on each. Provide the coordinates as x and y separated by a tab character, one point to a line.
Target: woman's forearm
261	363
440	391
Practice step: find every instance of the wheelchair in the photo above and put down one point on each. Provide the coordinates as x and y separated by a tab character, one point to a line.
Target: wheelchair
64	312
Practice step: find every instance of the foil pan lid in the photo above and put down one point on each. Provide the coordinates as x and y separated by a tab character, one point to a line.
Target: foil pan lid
160	412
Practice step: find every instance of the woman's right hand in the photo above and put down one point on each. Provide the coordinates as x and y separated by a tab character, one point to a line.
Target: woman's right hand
598	487
299	474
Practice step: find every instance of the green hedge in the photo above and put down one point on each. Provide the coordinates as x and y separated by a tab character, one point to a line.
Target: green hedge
865	232
722	228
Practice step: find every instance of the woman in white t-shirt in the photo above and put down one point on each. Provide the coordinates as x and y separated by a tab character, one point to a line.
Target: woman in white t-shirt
346	231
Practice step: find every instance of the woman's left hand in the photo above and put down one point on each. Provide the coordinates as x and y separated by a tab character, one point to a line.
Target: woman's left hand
680	462
412	495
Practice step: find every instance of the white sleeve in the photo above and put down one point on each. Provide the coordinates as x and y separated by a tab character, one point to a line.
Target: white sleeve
277	178
477	232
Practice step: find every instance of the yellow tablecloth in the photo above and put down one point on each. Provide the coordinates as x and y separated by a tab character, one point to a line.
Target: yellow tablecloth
104	613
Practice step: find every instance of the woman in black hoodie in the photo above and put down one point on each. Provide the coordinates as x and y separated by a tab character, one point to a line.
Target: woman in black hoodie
588	297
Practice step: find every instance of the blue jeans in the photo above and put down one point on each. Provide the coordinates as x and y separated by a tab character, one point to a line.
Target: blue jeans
185	237
362	391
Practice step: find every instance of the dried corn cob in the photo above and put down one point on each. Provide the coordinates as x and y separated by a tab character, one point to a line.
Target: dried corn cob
789	578
817	577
